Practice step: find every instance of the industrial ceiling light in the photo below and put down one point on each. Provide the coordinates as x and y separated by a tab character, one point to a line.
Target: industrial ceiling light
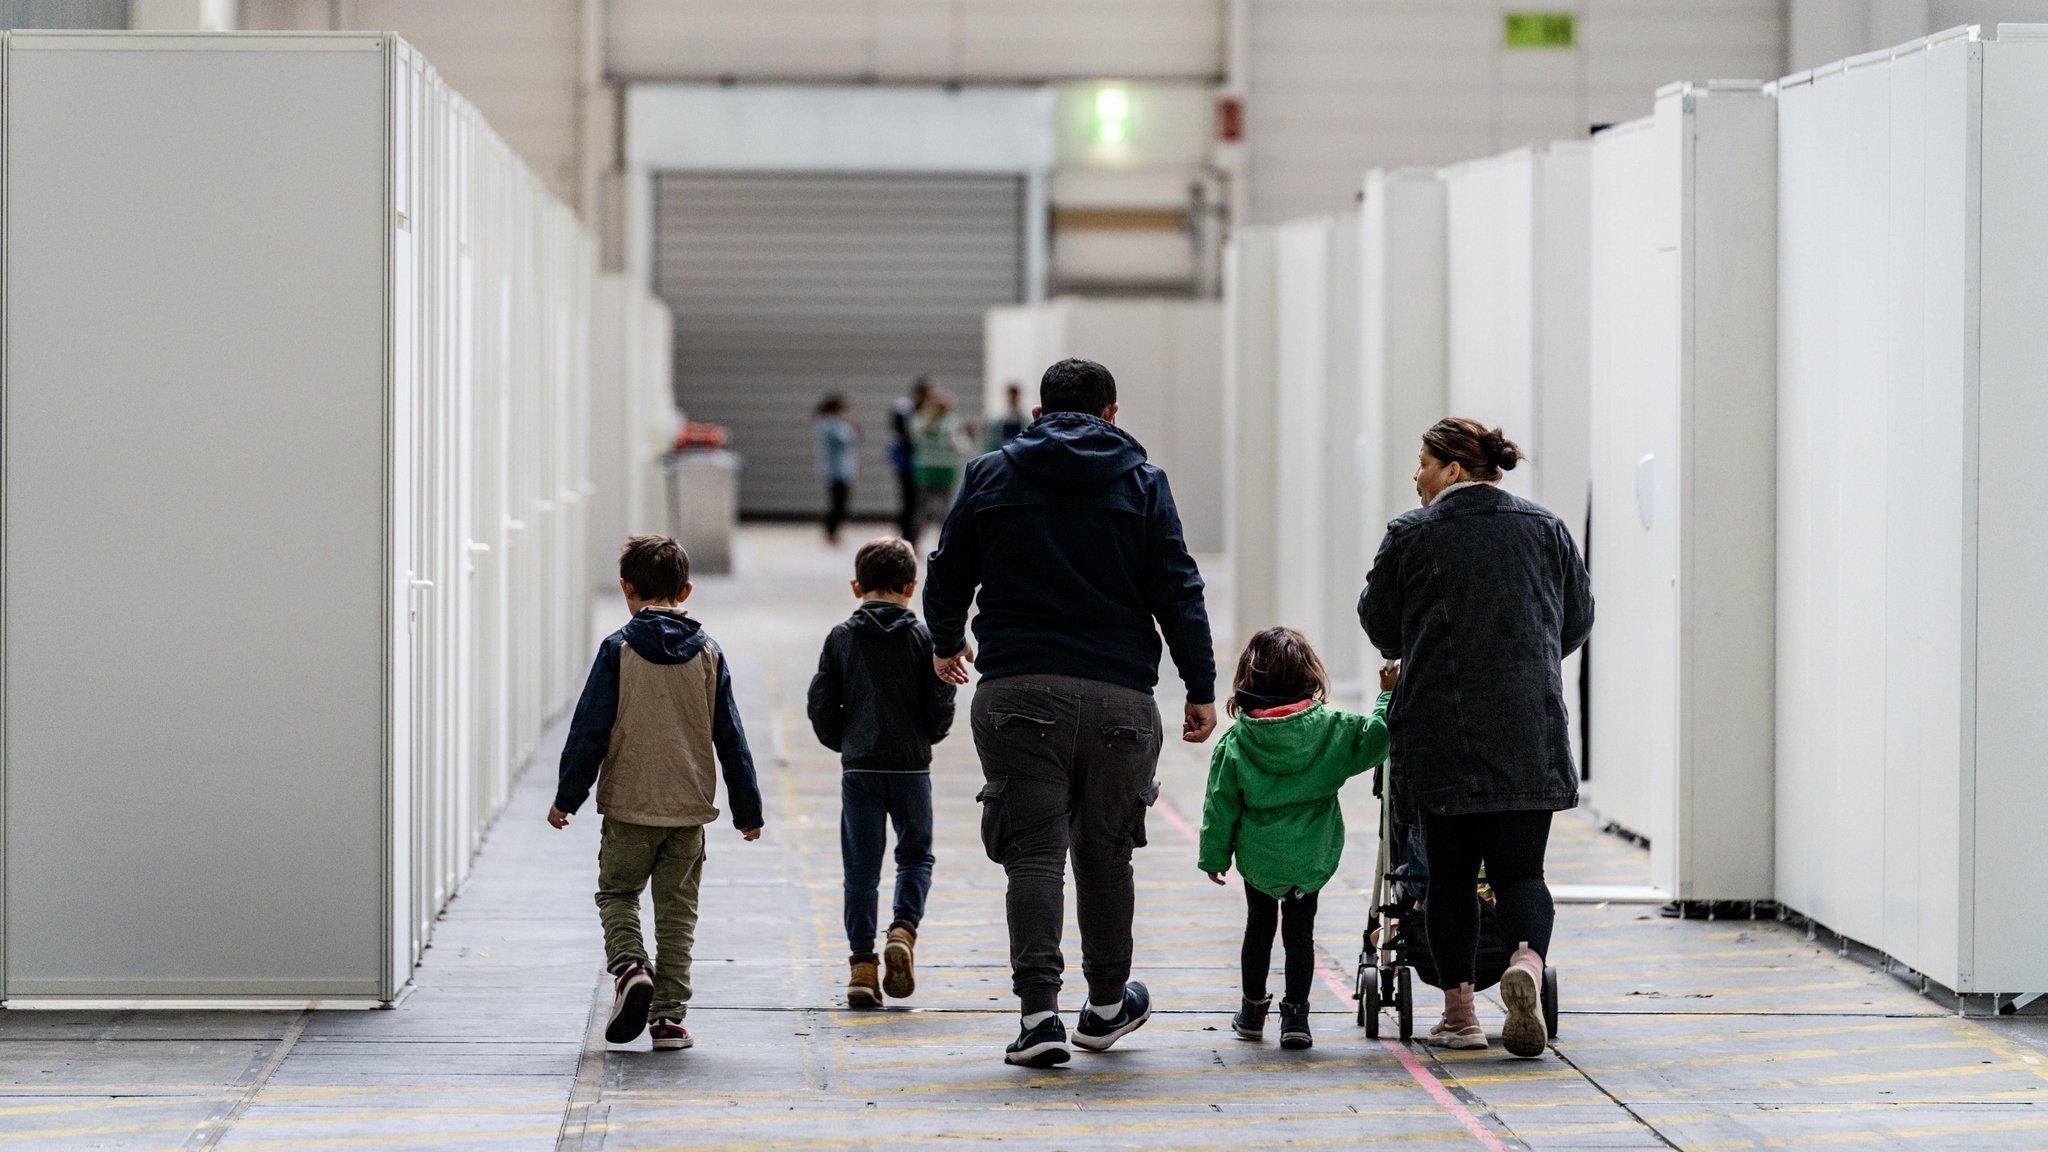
1112	116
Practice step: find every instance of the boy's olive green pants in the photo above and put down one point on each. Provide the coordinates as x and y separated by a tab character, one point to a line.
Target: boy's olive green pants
631	856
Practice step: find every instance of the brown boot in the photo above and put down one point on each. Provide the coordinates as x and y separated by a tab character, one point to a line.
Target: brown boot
900	976
862	990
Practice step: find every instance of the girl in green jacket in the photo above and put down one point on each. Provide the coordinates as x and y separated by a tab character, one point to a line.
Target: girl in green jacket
1272	803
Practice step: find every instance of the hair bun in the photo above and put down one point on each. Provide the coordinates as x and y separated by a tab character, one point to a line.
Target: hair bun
1501	452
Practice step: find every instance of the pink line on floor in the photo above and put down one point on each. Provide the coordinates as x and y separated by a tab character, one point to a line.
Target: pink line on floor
1421	1074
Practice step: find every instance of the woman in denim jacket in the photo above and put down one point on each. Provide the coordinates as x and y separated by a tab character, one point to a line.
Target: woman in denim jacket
1480	594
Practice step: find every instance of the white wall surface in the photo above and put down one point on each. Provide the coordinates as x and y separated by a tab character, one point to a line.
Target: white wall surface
913	41
411	461
1167	357
171	788
1251	446
1820	31
1911	350
1401	335
631	415
1334	88
1683	452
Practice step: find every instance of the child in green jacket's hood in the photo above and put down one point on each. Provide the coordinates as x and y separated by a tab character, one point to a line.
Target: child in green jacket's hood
1272	803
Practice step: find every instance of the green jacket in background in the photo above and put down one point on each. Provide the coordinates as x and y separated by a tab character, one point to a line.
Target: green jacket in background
1273	794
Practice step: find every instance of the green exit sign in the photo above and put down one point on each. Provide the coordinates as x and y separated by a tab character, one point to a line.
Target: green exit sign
1542	29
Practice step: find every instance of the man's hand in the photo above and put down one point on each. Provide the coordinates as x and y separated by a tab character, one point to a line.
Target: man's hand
953	669
557	817
1390	674
1215	877
1197	722
750	834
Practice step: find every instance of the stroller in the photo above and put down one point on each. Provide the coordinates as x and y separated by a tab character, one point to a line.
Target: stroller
1395	943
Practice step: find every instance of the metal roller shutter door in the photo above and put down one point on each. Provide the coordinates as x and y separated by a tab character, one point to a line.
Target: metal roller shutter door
787	287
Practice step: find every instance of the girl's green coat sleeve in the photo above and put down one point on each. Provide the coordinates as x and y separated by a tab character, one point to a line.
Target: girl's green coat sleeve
1373	739
1221	809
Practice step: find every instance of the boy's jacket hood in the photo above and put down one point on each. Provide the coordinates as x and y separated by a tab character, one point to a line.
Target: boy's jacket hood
663	637
1282	745
881	618
1074	451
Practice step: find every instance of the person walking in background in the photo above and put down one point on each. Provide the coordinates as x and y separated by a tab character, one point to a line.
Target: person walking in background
1272	804
935	458
838	462
1072	544
1481	595
1012	422
902	444
657	709
877	702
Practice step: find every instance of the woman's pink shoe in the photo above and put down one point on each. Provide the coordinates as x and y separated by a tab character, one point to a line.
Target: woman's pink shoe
1521	991
1459	1027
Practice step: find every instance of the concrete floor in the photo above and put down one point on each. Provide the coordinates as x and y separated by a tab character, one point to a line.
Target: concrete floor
1683	1034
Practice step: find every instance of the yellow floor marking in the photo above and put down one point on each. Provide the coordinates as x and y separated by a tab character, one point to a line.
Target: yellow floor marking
1890	1136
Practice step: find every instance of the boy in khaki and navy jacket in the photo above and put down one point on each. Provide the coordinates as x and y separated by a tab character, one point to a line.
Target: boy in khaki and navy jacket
657	709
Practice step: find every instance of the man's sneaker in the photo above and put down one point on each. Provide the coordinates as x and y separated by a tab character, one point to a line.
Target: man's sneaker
1250	1021
632	992
1096	1034
669	1035
1294	1031
863	990
1523	1034
1042	1045
899	955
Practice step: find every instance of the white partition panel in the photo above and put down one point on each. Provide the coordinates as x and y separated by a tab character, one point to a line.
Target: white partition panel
1682	462
631	398
1301	403
1401	339
1912	346
262	299
1516	324
1167	357
1251	450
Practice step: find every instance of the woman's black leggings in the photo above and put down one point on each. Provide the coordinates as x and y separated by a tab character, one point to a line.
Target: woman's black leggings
1262	916
1511	845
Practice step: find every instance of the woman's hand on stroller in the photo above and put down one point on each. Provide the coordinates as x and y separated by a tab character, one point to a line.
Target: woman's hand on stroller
1216	877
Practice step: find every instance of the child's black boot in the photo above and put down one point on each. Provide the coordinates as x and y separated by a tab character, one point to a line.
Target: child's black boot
1294	1031
1250	1021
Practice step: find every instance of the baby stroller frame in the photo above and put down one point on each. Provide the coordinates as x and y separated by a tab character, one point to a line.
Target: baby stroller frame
1395	950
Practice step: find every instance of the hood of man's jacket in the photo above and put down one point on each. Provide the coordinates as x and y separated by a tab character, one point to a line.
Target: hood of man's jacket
1074	451
880	618
663	637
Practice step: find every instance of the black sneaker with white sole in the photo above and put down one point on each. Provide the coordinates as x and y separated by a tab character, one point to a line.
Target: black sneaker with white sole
1042	1045
632	994
1096	1034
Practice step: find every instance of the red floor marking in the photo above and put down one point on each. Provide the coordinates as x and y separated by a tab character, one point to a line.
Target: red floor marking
1422	1075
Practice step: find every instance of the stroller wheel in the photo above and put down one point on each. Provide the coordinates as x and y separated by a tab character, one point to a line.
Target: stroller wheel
1404	1003
1369	1000
1550	1001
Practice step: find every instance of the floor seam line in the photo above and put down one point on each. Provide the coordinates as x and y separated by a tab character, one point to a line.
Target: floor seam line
213	1130
573	1136
1617	1101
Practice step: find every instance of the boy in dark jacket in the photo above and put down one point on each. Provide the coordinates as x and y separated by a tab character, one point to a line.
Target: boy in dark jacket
655	713
877	702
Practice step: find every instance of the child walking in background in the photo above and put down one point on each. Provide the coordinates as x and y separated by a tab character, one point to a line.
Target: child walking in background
1272	803
877	702
657	708
838	461
936	457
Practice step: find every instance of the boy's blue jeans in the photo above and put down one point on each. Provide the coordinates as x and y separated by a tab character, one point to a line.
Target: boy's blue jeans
868	803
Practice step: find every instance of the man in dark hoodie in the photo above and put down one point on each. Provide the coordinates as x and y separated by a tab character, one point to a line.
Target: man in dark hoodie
657	707
877	702
1075	546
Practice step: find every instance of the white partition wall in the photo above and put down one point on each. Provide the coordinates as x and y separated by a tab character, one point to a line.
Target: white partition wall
1167	356
293	337
1516	242
632	401
1401	340
1251	450
1913	332
1683	457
